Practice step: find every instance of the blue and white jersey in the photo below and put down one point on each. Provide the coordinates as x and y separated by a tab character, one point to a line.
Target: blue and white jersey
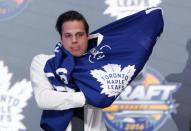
117	53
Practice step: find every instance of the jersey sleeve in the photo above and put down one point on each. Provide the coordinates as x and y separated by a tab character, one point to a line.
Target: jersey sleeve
45	96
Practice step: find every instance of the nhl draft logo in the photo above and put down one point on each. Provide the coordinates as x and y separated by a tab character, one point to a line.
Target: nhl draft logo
113	79
12	101
122	8
10	8
145	104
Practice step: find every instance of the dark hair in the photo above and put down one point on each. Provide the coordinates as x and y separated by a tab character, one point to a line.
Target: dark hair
70	16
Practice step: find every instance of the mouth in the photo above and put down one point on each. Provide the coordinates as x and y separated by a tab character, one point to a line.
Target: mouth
75	49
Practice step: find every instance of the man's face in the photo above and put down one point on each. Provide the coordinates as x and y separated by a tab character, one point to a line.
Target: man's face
74	37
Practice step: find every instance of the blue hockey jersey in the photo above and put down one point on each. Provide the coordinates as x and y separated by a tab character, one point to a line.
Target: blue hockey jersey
117	52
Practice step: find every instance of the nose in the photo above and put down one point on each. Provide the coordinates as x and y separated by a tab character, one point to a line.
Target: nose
74	39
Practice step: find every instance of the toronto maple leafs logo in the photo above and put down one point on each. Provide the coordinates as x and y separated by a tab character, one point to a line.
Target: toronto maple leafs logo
12	101
122	8
113	79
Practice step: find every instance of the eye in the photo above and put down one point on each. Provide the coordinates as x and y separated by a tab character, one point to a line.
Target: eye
80	34
67	35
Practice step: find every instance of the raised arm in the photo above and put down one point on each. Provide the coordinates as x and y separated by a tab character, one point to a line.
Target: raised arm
45	96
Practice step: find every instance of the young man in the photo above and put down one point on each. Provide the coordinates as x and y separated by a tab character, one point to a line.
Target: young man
73	30
102	73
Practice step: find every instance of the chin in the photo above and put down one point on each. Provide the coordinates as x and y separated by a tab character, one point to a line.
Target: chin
77	55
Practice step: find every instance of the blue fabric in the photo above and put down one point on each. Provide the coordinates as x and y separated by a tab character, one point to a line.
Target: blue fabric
117	53
52	120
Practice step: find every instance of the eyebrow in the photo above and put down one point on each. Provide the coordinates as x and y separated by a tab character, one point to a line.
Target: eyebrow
75	32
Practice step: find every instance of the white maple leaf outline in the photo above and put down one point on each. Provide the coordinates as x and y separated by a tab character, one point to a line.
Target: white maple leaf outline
119	12
108	69
20	91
